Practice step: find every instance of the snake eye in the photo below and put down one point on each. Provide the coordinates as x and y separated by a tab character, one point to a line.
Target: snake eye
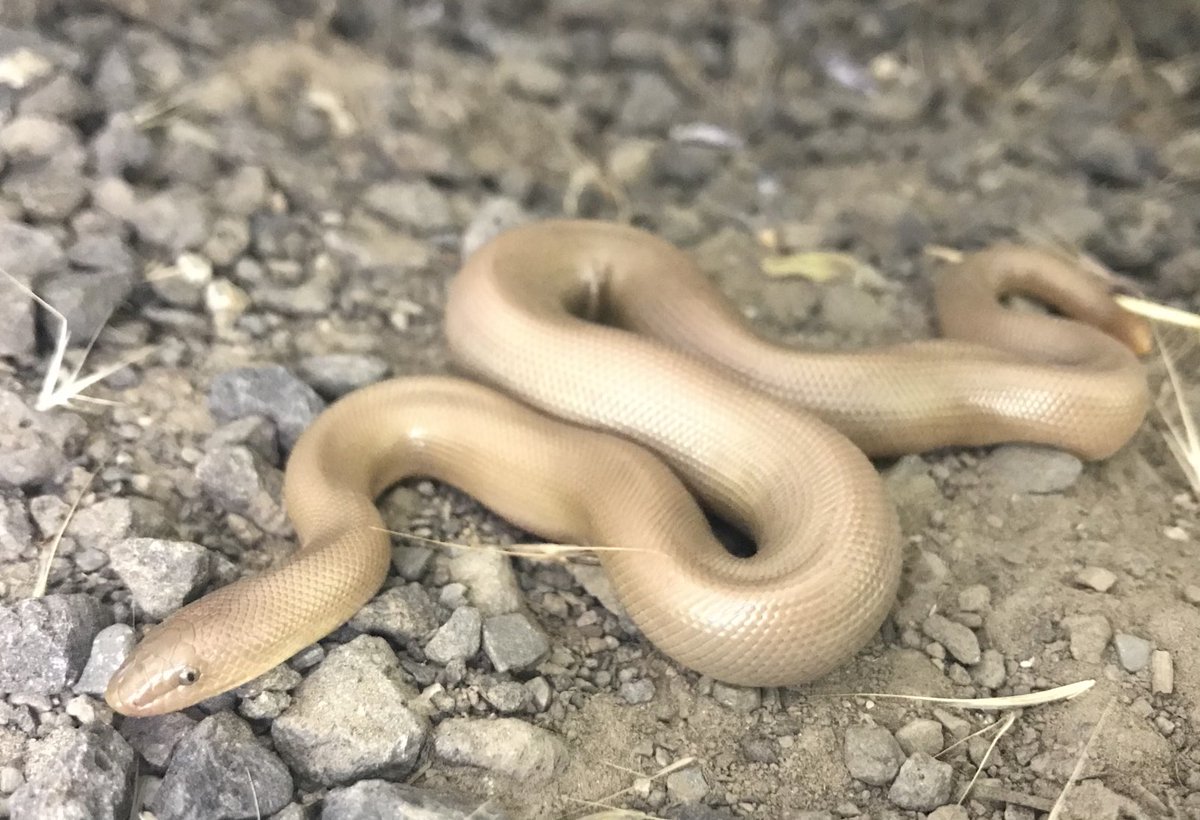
188	676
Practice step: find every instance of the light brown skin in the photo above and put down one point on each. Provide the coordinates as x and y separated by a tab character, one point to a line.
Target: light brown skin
716	403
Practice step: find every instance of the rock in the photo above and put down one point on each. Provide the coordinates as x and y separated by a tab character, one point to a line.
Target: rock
977	598
508	746
337	374
76	773
45	641
921	735
87	300
1028	468
540	693
1182	156
506	696
26	253
256	432
1133	652
913	490
990	673
348	719
1106	153
155	738
738	698
16	534
162	575
959	641
120	146
1097	578
404	613
110	648
1089	635
923	783
458	638
269	390
416	205
872	755
176	220
241	481
411	563
220	769
33	443
513	642
651	104
379	798
110	520
489	576
493	217
952	812
637	691
758	749
687	785
228	240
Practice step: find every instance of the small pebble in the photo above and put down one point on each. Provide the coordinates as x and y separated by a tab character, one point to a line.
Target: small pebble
872	754
1097	578
638	691
1089	635
513	642
1133	652
958	639
921	735
1162	673
977	598
923	783
738	698
687	785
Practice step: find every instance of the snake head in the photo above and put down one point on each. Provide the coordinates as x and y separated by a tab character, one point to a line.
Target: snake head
163	674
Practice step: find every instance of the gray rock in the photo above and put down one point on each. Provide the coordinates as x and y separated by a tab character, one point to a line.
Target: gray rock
404	613
1028	468
990	673
32	444
951	812
120	146
26	253
913	490
380	800
959	641
110	520
638	691
975	598
16	533
759	749
458	638
416	205
411	563
872	754
155	738
161	574
110	648
1105	153
489	576
540	693
220	769
87	300
738	698
244	191
513	642
241	481
337	374
76	773
923	783
45	641
506	746
33	139
687	785
349	720
50	190
650	105
269	390
1133	652
256	432
11	779
493	217
506	696
1089	635
175	220
921	735
1097	578
229	239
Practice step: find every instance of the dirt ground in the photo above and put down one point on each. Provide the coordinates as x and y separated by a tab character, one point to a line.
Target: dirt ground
247	183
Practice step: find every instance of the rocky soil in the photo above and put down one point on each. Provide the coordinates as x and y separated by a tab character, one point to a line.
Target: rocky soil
266	200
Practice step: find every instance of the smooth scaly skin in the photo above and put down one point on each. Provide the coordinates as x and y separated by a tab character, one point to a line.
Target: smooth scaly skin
828	560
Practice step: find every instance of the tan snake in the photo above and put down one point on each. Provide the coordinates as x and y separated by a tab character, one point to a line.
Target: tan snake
716	403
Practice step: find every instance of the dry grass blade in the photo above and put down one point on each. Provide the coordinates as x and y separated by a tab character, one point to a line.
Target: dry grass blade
1157	312
1079	764
1005	725
1183	435
43	576
253	793
535	551
1058	693
613	813
58	391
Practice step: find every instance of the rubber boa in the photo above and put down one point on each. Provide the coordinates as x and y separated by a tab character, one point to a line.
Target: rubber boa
624	386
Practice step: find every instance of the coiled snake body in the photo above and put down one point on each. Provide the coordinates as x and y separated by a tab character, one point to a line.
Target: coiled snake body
673	370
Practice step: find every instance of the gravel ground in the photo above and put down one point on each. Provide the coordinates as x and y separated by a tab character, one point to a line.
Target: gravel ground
271	197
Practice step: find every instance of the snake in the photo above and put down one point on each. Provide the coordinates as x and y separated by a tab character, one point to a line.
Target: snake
609	395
